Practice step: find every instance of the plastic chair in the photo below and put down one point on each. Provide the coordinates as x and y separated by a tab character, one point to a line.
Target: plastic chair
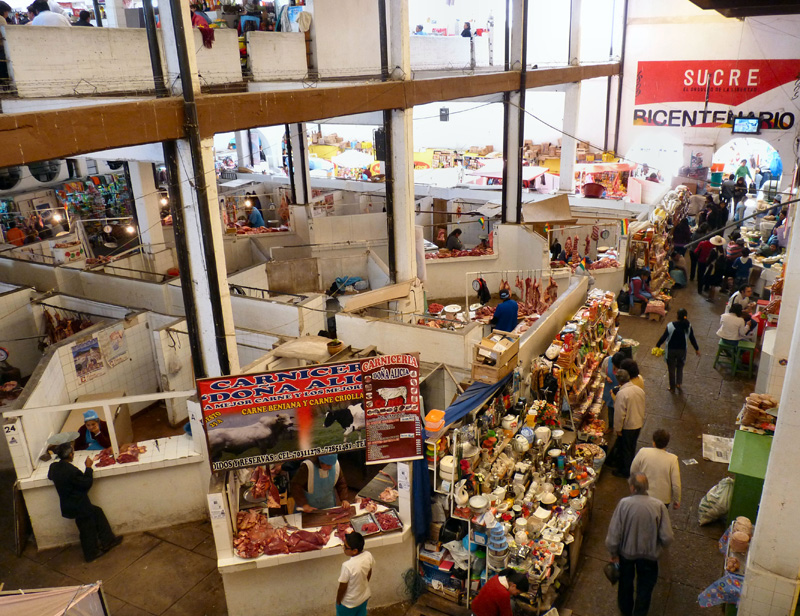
745	346
243	22
726	355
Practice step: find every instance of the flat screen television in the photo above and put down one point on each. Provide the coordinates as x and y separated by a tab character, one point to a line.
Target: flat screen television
746	126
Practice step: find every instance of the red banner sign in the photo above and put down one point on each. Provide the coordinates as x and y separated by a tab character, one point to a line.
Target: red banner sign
283	415
727	82
391	401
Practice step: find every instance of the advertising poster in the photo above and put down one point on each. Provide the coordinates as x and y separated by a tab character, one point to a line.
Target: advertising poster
115	349
284	415
88	359
301	412
392	405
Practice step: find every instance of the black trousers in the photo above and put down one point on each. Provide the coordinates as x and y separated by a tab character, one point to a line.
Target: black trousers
694	262
675	362
95	531
638	575
701	275
626	450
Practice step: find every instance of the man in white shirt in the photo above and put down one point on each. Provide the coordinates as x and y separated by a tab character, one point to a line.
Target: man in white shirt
628	421
46	17
661	468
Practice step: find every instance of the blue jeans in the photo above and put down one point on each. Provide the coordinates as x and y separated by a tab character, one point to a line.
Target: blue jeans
359	610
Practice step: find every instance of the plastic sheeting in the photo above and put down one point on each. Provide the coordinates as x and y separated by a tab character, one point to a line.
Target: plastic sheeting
66	601
472	398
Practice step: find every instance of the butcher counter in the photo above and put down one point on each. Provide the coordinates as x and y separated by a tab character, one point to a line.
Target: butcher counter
252	583
131	494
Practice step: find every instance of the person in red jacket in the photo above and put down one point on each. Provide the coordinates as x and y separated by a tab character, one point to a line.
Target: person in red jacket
494	599
702	255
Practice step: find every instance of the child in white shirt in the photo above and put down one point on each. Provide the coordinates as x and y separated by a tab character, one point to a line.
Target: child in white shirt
353	593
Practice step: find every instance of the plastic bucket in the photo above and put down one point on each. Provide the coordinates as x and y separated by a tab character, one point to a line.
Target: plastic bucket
716	178
598	462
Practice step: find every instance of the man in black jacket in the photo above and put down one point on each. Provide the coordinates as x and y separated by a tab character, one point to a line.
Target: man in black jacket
73	486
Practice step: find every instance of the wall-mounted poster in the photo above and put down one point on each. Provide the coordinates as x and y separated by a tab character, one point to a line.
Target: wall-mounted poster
88	359
283	415
115	349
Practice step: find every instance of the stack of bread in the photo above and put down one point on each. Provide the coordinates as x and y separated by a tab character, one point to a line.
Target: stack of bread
756	413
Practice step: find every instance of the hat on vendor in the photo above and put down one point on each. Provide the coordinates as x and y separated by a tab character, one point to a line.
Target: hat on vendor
329	459
504	294
90	415
717	240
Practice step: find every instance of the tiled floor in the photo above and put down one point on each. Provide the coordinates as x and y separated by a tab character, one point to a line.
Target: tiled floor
709	404
173	571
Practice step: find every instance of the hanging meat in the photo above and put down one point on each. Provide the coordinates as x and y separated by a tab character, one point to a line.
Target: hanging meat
504	286
518	284
528	291
550	293
595	233
568	245
264	488
533	305
586	248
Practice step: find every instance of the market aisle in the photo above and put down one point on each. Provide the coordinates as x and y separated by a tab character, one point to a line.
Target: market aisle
710	404
171	571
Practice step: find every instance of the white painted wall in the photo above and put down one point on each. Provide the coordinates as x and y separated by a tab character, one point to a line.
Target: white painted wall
449	52
220	64
278	318
358	227
253	345
16	321
345	38
277	55
678	30
174	367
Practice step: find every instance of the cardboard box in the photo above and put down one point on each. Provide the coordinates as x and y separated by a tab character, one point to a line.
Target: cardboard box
492	374
498	348
431	557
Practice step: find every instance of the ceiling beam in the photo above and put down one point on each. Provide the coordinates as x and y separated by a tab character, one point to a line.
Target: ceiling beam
45	135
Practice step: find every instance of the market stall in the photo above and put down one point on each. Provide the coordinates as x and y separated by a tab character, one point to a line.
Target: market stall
608	180
265	430
511	485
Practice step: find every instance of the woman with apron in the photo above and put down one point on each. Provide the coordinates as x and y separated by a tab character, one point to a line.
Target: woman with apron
319	484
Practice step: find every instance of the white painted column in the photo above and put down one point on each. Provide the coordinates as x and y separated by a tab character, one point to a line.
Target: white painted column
148	203
300	170
773	563
514	119
569	145
243	156
575	33
115	14
195	237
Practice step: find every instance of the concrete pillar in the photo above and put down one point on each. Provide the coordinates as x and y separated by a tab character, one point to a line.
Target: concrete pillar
204	242
575	33
514	103
569	145
773	563
147	201
115	14
401	138
243	156
300	169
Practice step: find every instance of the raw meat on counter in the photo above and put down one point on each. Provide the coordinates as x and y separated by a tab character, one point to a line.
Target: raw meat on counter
369	527
389	495
130	453
256	536
105	458
446	254
387	521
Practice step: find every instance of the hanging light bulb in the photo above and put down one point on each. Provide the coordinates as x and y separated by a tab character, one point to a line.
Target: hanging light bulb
56	217
248	203
130	229
164	201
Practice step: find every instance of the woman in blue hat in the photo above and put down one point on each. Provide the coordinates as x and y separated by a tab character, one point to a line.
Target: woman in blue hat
319	484
93	434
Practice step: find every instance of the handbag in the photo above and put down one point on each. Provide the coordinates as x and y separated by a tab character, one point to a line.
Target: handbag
612	572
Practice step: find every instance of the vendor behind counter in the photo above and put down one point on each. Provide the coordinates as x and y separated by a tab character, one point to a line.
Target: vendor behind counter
319	484
93	434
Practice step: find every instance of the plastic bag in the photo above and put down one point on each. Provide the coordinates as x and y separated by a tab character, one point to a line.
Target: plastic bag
716	502
458	553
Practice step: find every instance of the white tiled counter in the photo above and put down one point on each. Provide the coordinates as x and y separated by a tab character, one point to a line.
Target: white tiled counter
165	487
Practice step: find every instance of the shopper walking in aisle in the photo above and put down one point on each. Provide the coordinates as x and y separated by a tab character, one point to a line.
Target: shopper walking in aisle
353	592
628	421
742	171
716	265
661	469
700	231
494	599
702	254
640	528
678	335
72	487
741	269
682	235
609	369
632	368
726	190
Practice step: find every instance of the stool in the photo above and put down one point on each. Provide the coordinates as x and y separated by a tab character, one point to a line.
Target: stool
655	316
745	346
726	355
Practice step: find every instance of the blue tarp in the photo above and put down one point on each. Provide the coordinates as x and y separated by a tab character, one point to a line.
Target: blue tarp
468	401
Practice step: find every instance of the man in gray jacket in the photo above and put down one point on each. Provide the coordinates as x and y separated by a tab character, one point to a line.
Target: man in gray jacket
639	529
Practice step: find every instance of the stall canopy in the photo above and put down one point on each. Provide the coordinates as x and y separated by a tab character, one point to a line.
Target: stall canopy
66	601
